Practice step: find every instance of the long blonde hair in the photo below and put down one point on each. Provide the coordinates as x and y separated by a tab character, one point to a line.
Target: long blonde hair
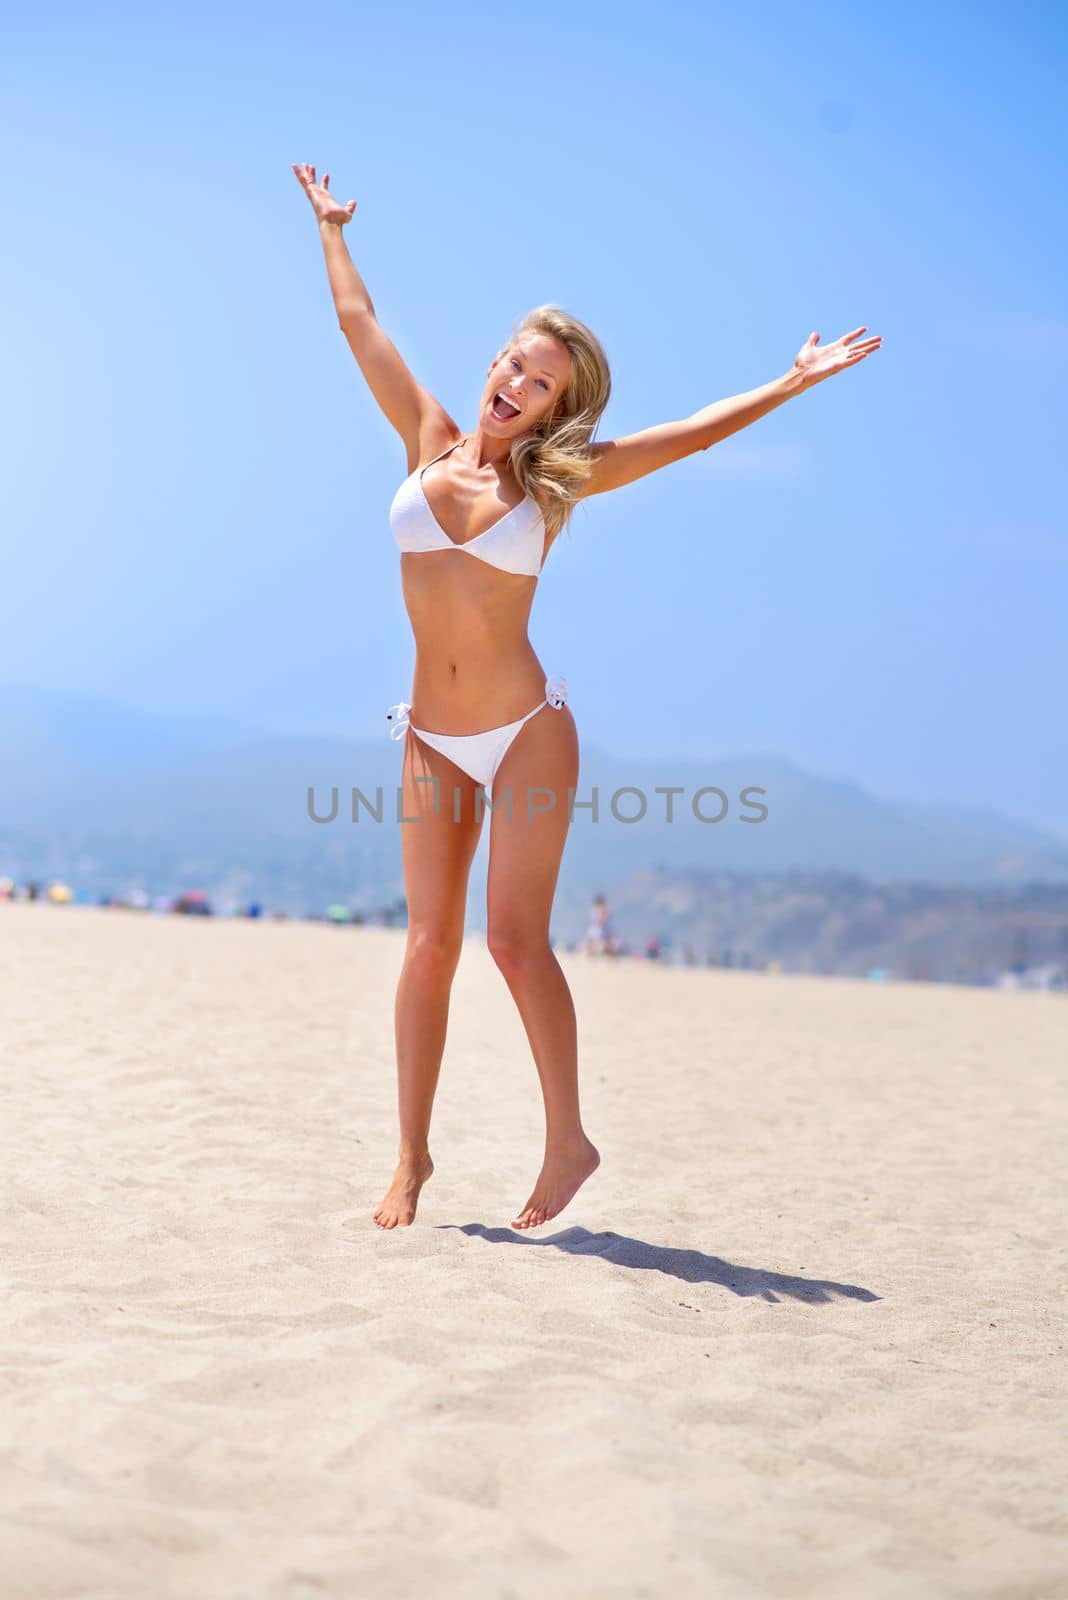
553	460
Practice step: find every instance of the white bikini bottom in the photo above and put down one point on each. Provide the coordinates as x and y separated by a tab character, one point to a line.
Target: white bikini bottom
477	754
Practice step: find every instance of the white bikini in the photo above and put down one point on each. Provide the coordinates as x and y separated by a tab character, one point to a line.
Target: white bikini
514	543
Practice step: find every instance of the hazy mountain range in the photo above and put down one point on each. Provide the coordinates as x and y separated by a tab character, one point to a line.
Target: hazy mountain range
109	798
833	922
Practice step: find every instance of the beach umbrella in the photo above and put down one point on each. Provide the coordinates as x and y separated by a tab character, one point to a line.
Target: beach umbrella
338	913
60	893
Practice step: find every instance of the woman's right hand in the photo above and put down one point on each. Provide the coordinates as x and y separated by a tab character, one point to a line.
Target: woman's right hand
324	205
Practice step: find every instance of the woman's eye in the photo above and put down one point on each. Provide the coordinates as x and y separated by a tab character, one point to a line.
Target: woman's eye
542	381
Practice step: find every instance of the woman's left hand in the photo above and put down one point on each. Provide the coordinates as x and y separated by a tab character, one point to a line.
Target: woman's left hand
816	362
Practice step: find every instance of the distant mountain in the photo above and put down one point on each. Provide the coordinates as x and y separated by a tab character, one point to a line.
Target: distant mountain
837	923
51	741
812	823
110	798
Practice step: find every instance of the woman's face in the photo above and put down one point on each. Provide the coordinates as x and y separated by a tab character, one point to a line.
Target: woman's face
532	374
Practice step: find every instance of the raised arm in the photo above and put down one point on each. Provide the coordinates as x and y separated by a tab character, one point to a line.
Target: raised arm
403	400
620	461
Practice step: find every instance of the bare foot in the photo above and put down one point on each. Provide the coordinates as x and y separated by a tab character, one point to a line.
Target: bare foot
561	1177
402	1196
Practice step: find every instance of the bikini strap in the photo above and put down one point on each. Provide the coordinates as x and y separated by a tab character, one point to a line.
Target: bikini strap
441	453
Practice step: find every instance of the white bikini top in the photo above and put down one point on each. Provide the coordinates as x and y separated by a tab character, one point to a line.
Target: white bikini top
514	543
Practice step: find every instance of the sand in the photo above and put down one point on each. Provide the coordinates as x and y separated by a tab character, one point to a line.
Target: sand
802	1334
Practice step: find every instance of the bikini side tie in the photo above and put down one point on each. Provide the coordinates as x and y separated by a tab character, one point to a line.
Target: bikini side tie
398	715
556	691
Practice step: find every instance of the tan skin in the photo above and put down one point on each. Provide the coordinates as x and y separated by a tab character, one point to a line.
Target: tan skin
475	669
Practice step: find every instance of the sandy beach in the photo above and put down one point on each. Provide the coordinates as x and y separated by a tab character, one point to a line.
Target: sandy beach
802	1334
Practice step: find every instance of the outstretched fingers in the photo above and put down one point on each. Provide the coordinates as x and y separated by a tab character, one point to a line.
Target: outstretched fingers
859	351
855	352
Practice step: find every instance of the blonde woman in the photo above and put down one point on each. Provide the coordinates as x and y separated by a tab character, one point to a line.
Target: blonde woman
475	519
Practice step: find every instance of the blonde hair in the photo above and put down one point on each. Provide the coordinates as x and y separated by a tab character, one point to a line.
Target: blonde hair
553	460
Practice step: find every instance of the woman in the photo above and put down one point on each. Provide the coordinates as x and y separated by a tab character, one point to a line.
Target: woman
600	935
474	520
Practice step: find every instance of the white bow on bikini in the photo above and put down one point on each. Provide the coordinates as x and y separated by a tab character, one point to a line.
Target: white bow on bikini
556	691
400	713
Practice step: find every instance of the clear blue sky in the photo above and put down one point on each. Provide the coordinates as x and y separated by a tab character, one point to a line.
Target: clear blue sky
872	580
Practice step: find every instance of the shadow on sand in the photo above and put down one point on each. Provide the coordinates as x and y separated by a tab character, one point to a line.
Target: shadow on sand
691	1266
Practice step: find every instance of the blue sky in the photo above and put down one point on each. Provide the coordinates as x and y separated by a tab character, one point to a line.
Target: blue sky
872	580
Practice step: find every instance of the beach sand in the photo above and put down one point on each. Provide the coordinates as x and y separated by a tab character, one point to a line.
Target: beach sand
802	1334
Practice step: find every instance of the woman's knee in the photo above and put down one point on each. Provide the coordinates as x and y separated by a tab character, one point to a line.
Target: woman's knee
433	951
515	948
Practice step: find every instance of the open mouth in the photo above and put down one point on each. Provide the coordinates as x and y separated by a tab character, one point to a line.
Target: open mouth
503	409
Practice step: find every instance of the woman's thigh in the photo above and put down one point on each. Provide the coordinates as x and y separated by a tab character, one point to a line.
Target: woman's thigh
436	848
527	840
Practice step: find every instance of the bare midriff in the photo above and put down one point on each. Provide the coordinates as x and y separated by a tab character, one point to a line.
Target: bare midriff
475	667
